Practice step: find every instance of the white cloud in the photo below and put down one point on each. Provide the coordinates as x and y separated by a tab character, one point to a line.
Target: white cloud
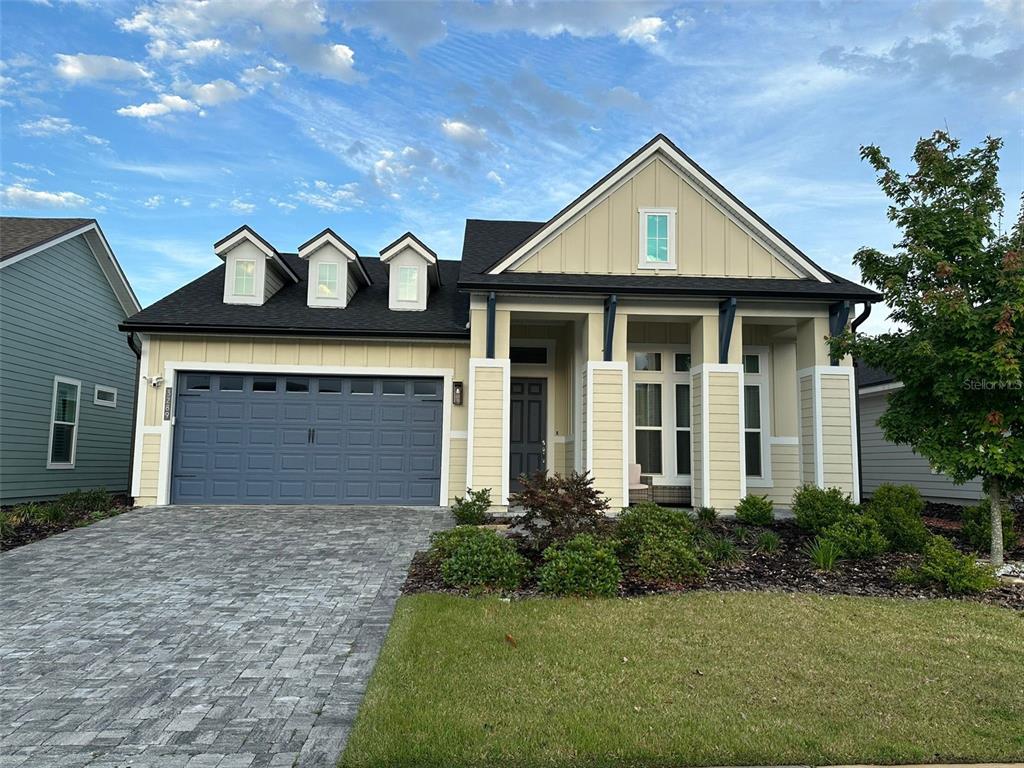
327	197
496	178
283	205
240	206
153	202
20	196
48	126
98	141
336	61
84	67
464	133
215	93
643	31
184	202
195	20
191	52
261	75
168	103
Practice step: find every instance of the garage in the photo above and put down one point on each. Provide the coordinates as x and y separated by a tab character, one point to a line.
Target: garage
273	439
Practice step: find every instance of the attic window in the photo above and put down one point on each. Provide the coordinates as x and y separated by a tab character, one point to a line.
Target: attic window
408	283
327	280
245	278
657	238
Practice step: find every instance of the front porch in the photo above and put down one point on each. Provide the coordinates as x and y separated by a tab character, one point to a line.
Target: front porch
711	399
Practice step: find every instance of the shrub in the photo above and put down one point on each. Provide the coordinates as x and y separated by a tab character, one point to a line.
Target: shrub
742	534
486	560
897	510
443	543
52	513
723	550
557	507
648	520
583	565
823	553
669	559
977	526
472	510
857	537
957	572
755	510
768	542
85	501
816	509
707	515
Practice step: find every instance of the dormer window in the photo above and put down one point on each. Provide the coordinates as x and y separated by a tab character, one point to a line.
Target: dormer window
335	271
245	278
327	279
657	238
408	283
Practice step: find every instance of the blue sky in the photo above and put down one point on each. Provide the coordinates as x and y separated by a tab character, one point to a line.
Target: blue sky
173	123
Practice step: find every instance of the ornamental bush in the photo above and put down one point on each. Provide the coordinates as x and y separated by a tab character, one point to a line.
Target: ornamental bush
584	565
648	520
443	543
897	510
958	573
557	507
472	509
483	561
977	526
755	510
816	508
669	559
857	537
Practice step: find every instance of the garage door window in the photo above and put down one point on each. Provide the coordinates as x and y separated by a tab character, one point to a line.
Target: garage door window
231	384
329	386
362	387
393	387
260	384
296	385
197	382
424	388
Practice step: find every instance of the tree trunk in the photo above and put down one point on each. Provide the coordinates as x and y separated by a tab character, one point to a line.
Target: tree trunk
998	504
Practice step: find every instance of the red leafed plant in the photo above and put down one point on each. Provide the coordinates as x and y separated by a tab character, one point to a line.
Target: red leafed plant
557	507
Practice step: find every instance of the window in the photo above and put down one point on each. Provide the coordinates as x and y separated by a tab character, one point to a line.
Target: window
329	386
63	423
230	384
424	388
647	361
264	384
682	429
528	355
683	362
393	387
362	387
296	385
198	382
657	238
751	363
647	398
105	396
245	278
755	382
327	280
408	283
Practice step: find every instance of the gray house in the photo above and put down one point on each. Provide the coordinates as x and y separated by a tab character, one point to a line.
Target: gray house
67	375
885	462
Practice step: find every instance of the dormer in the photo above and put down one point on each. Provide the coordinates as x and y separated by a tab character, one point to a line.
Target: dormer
335	271
412	273
253	269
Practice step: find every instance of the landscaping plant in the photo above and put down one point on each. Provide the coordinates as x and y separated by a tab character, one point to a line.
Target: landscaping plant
824	553
977	526
768	542
483	561
857	537
897	510
648	520
707	516
957	572
584	566
472	509
815	509
443	543
557	507
954	286
723	550
755	510
669	559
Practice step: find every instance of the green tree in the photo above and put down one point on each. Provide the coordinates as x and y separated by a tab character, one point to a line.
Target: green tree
955	284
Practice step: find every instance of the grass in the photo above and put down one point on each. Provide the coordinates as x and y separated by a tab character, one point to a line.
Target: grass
694	679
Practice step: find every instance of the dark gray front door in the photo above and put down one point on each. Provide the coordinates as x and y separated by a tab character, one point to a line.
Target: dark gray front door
528	417
252	439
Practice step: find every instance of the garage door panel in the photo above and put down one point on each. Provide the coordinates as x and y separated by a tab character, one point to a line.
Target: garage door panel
262	439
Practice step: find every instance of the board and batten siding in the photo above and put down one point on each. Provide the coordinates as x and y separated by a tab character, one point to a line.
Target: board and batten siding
885	462
330	353
605	239
59	317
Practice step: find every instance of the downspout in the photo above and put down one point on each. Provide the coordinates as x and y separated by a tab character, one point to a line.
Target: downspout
856	401
130	338
610	305
492	302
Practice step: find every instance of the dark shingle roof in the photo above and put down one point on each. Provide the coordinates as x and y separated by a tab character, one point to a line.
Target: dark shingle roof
869	377
19	233
199	306
486	241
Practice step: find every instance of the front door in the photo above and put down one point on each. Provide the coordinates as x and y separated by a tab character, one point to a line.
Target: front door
528	429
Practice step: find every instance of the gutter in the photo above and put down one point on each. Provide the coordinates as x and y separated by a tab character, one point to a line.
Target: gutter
130	338
262	330
625	290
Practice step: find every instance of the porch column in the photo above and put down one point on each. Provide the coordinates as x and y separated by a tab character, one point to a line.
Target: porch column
605	397
826	412
718	471
487	447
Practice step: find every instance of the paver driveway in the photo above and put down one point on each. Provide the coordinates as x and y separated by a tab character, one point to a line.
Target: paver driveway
200	637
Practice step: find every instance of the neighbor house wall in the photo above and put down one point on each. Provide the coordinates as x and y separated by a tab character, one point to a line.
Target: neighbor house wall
59	317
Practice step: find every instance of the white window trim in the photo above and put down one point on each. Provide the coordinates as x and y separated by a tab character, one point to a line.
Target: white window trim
234	278
762	380
668	377
337	279
643	263
104	403
57	380
403	270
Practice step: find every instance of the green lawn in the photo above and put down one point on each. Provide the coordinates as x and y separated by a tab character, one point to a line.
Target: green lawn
698	679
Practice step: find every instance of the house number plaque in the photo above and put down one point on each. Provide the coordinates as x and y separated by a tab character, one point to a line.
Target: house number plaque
167	403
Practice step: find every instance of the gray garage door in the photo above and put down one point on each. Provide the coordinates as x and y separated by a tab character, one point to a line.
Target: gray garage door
306	440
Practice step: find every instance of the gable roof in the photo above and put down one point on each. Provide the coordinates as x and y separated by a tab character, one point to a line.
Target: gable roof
329	234
199	307
22	237
245	232
775	242
486	239
870	377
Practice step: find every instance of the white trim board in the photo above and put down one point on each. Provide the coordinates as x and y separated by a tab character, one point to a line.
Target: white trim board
874	389
141	394
57	380
693	174
505	366
172	368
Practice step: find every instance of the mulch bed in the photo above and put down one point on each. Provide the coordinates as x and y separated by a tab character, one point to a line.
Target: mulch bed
32	530
787	570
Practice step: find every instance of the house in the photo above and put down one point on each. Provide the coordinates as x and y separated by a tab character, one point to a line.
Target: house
654	320
67	377
885	462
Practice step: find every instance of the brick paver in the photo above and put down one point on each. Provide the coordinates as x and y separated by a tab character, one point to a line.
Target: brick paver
189	637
